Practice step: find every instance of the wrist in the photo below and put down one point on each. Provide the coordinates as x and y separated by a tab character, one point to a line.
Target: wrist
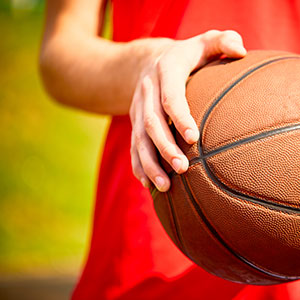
147	51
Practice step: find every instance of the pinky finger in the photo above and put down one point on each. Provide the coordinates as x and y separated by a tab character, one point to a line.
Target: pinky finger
148	158
137	169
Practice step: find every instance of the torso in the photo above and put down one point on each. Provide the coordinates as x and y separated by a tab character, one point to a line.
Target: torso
128	243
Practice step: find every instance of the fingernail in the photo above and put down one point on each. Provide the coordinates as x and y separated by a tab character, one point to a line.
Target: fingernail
176	163
191	136
185	164
239	48
159	182
242	50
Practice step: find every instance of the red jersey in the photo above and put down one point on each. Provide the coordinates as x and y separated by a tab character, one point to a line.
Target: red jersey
131	256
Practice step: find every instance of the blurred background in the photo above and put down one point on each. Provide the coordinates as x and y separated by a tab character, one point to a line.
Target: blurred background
49	157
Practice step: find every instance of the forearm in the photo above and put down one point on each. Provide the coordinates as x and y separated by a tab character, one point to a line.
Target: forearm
94	74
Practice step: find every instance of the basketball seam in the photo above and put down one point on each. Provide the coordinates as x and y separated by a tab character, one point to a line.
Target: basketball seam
176	225
256	195
203	156
250	134
271	205
222	242
289	208
231	86
249	68
242	136
239	77
243	197
174	221
249	139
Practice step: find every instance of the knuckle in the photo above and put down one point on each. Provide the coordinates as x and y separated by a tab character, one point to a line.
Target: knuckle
142	149
211	33
149	121
166	152
166	62
179	113
180	117
161	66
166	102
231	34
148	169
136	172
145	85
138	139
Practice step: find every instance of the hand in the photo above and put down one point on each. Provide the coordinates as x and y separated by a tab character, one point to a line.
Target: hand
160	94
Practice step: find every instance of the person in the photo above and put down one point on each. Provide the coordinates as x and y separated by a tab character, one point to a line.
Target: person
139	78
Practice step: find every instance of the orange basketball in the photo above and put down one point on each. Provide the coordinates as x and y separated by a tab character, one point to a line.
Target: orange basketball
236	211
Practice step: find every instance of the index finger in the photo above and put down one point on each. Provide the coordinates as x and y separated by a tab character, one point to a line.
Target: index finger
174	103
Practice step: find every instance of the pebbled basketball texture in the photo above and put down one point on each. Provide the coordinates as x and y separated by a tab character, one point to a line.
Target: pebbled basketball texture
236	211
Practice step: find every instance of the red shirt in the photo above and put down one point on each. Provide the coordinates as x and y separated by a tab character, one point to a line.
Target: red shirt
131	257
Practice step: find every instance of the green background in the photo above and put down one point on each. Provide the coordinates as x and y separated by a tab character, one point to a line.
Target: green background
49	158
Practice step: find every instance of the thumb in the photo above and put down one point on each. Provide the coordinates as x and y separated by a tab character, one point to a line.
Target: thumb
227	42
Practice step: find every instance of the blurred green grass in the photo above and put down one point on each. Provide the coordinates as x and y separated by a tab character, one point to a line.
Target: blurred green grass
49	158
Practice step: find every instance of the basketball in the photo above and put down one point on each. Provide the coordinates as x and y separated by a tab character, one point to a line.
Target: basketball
236	211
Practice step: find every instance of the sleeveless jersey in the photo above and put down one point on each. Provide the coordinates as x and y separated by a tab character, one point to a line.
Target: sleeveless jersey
131	257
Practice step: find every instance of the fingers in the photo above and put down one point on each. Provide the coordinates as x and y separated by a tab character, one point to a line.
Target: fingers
173	101
231	44
137	168
144	160
157	128
161	95
173	70
145	164
227	42
150	132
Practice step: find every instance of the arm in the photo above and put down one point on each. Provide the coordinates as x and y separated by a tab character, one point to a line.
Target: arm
82	70
145	78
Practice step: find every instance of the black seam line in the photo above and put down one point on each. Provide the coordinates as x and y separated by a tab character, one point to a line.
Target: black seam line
233	193
271	205
274	206
250	139
247	140
216	101
221	96
176	225
219	238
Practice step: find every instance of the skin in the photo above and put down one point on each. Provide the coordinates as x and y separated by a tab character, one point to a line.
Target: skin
143	78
